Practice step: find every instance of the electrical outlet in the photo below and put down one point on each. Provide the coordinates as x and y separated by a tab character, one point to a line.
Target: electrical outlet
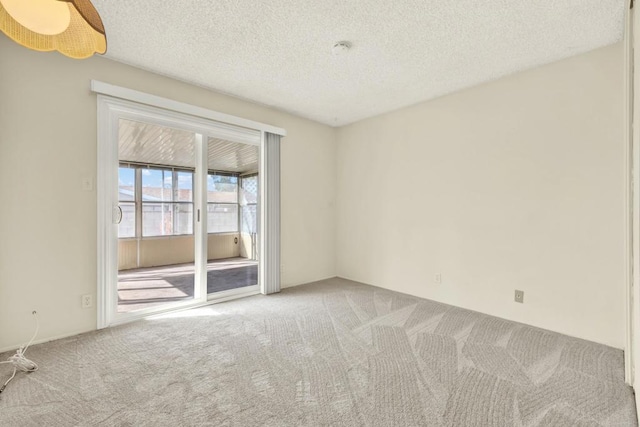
438	278
519	297
87	301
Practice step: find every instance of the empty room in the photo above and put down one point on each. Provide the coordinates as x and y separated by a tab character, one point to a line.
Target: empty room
306	213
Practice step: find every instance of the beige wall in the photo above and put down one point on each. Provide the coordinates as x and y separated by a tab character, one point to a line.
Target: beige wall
515	184
156	251
127	254
247	249
175	250
223	245
47	147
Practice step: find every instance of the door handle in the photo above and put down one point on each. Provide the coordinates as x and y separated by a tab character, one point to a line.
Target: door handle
119	215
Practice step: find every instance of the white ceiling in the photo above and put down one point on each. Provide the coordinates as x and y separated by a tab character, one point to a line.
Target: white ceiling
159	145
153	144
229	156
278	52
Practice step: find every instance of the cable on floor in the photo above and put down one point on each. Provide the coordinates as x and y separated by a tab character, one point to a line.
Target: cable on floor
19	361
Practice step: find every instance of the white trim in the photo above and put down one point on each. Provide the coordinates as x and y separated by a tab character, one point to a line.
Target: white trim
180	107
125	317
270	216
13	348
262	191
214	299
156	115
632	140
219	297
628	200
200	235
231	294
110	111
107	261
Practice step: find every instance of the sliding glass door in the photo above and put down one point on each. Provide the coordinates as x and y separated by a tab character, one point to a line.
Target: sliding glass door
232	216
178	211
156	245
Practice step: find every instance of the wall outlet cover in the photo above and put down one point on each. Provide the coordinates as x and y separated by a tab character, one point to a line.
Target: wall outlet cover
519	296
87	301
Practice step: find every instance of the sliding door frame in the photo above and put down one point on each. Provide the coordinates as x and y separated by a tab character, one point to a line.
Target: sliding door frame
632	198
115	103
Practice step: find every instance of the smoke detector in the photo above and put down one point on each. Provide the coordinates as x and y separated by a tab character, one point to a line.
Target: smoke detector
341	47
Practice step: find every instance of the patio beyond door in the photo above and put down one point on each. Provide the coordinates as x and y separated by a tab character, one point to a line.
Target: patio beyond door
156	238
232	216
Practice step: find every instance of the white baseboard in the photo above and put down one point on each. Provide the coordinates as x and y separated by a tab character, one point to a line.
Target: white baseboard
637	403
71	334
291	285
14	347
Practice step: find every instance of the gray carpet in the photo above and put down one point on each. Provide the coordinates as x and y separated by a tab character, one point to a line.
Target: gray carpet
333	353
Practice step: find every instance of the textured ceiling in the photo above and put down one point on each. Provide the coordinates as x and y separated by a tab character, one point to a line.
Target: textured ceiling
228	156
159	145
279	53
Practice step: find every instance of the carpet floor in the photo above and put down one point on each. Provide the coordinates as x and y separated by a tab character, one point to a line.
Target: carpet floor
331	353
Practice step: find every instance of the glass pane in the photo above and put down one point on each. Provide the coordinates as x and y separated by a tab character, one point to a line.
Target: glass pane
222	189
157	185
248	201
157	269
249	190
127	226
183	218
222	218
126	183
157	219
249	223
185	187
232	259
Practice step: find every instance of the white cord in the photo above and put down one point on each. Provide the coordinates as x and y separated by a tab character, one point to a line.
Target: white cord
19	362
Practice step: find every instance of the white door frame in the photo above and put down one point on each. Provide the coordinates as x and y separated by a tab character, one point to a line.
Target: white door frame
116	102
632	198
